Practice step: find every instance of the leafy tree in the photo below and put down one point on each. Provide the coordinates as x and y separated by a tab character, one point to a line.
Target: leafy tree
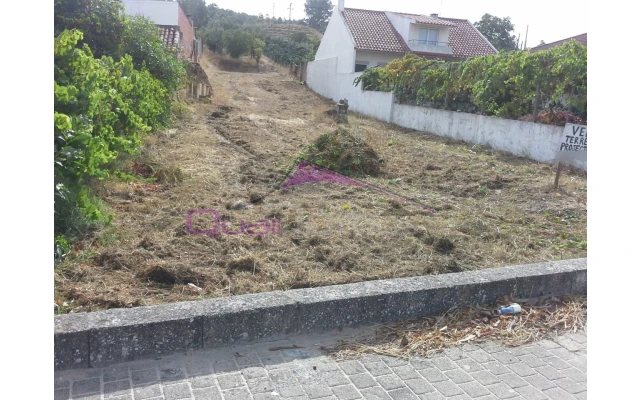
318	13
102	23
257	47
299	37
214	37
237	42
497	31
142	42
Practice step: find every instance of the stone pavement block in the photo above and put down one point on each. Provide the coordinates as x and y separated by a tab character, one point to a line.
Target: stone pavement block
474	389
444	364
458	376
265	396
448	388
236	394
502	391
539	351
346	392
363	381
390	382
260	385
87	386
469	365
352	367
290	391
316	391
177	391
461	397
505	357
210	393
230	381
531	393
116	388
480	356
496	368
204	381
557	363
568	343
548	344
558	394
540	382
570	386
490	347
403	394
146	391
406	372
532	361
375	393
485	377
434	375
455	353
335	378
432	396
377	369
549	372
420	363
575	375
522	369
579	337
253	372
282	375
419	386
513	380
562	353
122	397
579	362
394	361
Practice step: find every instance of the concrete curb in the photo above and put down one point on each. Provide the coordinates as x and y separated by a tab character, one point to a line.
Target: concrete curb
106	337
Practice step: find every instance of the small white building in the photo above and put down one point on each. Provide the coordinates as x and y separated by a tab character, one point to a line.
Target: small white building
362	39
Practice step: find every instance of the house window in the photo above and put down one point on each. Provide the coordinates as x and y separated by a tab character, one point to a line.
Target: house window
428	36
361	65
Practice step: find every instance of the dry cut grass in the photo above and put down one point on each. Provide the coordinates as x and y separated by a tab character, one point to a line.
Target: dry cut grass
233	155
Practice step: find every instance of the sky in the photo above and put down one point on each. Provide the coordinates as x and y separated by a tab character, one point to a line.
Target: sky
547	20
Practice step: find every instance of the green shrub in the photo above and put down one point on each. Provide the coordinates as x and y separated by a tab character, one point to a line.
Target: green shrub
101	107
237	42
142	42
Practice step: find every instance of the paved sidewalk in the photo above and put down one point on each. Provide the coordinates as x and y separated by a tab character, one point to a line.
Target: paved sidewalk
544	370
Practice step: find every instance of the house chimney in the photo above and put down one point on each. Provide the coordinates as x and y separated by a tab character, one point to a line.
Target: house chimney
434	15
340	5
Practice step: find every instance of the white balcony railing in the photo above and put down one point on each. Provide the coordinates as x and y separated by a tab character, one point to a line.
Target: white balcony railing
430	46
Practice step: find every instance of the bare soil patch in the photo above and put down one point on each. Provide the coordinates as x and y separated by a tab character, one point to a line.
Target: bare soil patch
234	154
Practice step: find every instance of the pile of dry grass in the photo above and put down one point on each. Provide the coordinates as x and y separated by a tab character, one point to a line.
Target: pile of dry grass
540	318
341	152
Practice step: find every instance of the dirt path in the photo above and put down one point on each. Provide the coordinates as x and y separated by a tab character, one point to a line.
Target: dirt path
492	209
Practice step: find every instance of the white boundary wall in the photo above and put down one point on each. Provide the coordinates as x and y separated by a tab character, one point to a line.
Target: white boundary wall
538	142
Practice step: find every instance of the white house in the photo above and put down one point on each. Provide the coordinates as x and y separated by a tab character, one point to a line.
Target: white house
363	39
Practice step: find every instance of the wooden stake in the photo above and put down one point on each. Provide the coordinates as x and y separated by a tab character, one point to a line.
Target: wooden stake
555	184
